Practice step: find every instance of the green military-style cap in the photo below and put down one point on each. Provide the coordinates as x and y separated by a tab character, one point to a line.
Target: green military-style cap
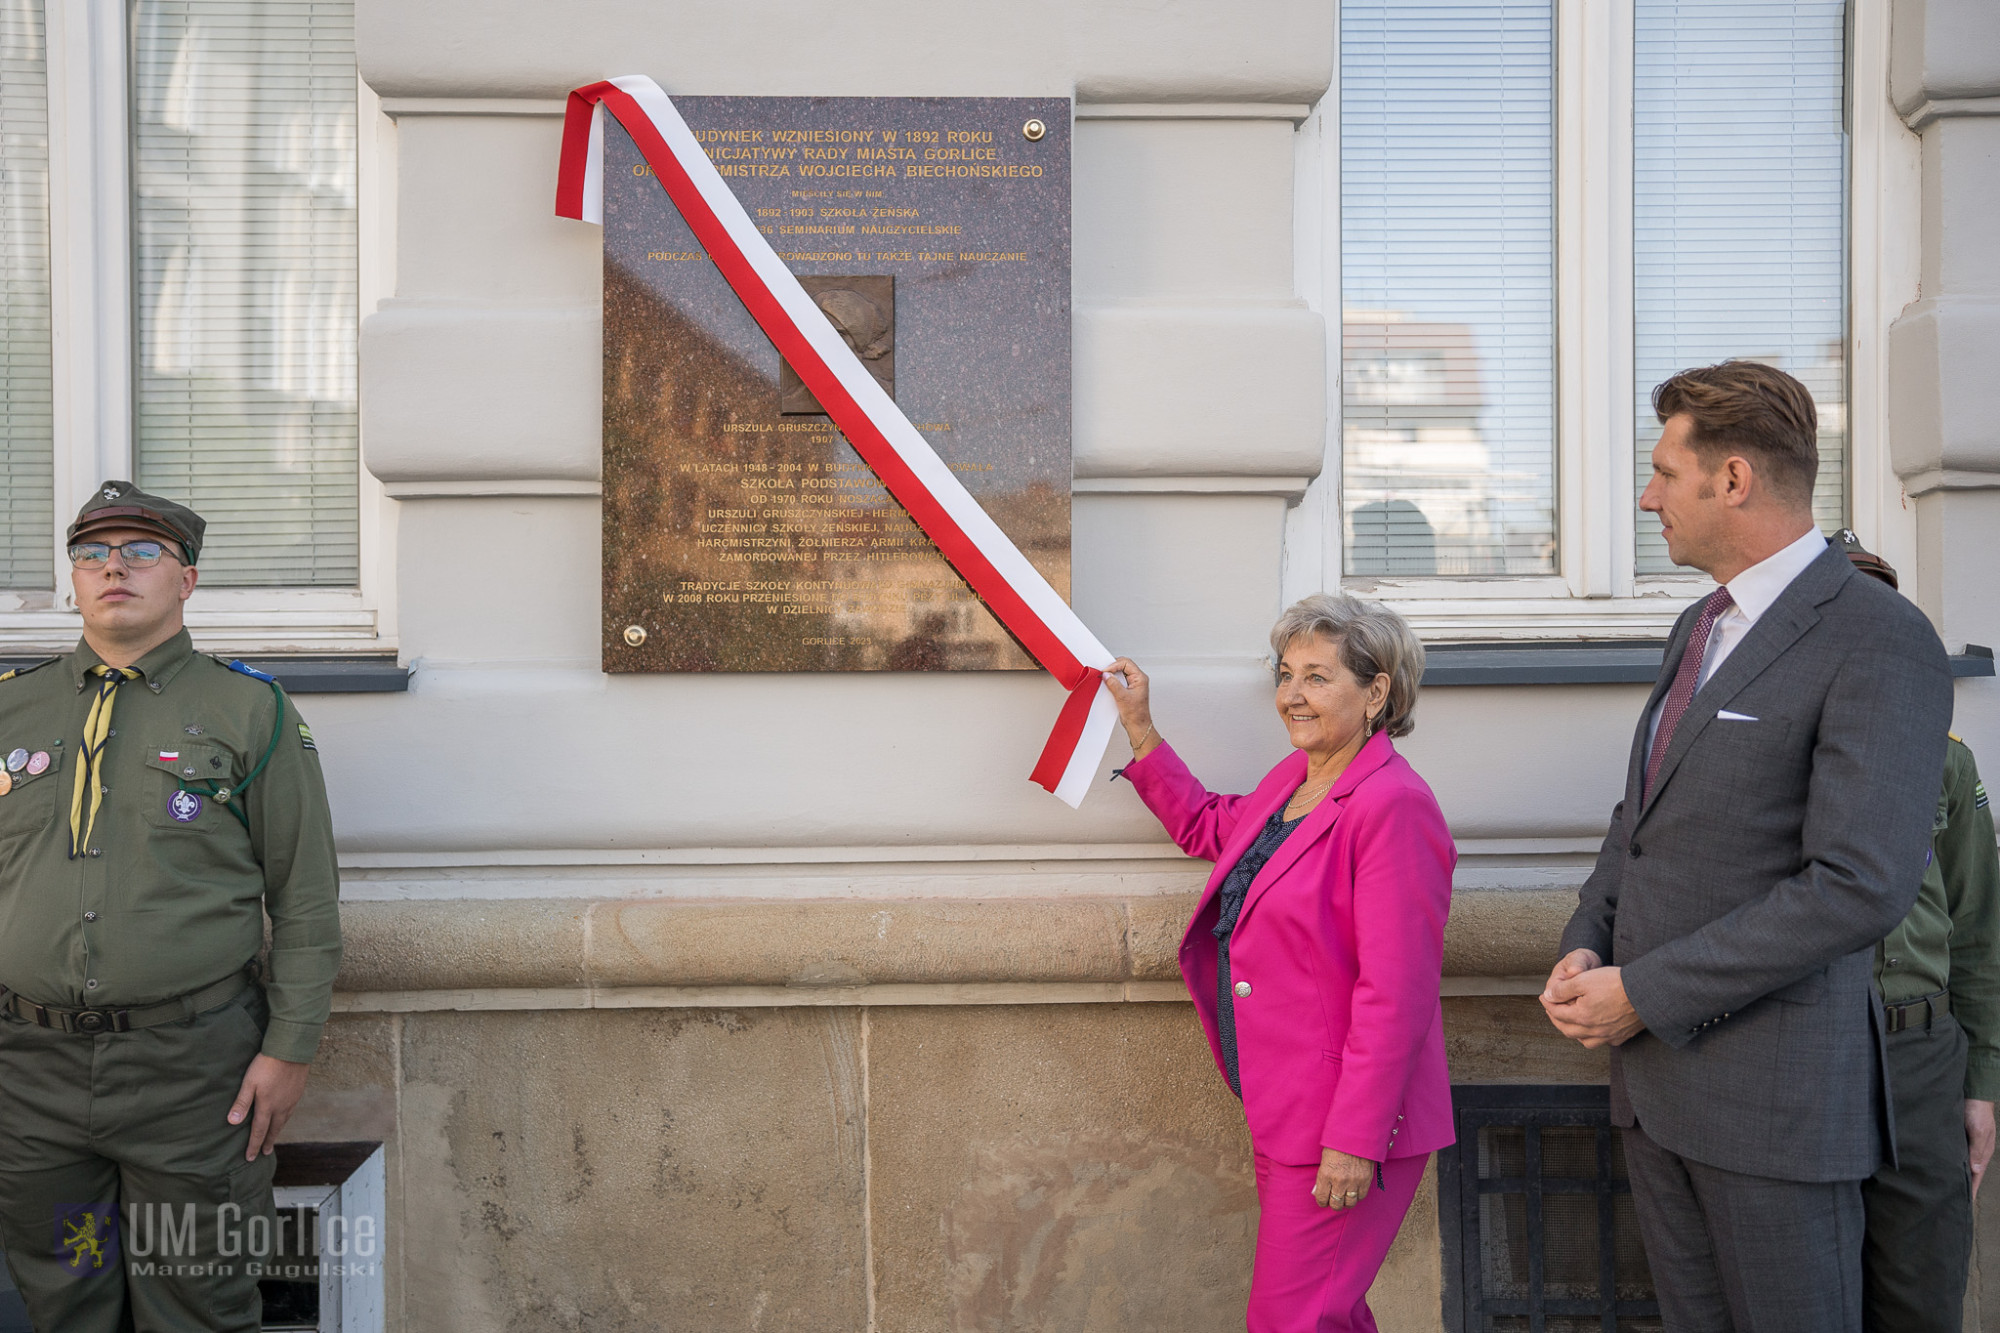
120	504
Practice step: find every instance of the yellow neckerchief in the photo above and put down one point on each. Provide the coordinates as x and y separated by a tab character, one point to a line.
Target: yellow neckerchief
90	765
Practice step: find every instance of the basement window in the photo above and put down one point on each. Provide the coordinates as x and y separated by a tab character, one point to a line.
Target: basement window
1536	1216
326	1273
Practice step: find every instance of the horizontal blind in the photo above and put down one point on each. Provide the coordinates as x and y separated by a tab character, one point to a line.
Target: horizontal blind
244	172
27	441
1740	211
1447	217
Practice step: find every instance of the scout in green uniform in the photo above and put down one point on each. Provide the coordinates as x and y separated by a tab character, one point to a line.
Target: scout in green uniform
155	804
1939	977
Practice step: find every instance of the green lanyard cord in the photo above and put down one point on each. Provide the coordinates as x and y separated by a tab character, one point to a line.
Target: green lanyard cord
230	800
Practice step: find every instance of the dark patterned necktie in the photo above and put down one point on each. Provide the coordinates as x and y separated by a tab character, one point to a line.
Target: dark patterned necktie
1681	693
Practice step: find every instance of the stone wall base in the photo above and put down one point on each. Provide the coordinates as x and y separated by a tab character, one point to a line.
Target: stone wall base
879	1168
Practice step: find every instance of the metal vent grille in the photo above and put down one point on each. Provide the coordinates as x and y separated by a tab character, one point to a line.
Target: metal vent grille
1539	1232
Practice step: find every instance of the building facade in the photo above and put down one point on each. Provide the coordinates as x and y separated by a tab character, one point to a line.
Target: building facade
782	1001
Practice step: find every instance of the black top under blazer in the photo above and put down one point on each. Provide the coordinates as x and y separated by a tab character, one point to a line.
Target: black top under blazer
1744	899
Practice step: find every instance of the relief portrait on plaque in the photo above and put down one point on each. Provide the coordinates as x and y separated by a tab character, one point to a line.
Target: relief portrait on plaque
741	532
864	311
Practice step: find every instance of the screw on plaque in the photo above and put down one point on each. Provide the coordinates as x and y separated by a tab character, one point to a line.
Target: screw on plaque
634	635
1033	131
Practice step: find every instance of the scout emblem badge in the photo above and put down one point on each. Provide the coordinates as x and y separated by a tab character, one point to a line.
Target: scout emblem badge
184	807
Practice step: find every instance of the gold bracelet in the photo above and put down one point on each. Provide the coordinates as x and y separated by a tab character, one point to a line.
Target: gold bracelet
1150	733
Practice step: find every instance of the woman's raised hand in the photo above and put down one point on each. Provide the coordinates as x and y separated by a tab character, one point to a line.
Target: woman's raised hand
1133	694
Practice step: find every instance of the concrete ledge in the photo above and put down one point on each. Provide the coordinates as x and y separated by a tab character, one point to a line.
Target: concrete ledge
1181	391
768	997
480	394
559	954
1943	51
532	943
1505	932
1609	663
856	943
1270	51
807	997
1943	395
1292	111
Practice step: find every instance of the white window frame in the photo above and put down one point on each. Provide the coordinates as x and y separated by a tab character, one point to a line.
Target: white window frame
1597	593
92	297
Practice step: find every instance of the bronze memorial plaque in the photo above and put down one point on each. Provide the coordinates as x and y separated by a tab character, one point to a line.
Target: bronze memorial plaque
741	532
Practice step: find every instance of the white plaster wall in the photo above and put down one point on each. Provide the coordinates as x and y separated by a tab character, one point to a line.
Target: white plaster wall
1200	397
1200	413
1944	397
1172	50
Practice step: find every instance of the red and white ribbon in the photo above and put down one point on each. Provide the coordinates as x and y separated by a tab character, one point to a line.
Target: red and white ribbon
982	554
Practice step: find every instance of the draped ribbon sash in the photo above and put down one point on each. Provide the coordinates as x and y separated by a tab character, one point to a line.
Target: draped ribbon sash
1012	588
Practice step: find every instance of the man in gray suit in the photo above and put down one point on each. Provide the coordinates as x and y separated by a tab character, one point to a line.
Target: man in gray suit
1777	810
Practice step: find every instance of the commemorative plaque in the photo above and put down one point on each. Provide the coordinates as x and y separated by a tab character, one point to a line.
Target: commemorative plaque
741	532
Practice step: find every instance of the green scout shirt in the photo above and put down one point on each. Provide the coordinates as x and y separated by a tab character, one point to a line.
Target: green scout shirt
155	907
1951	938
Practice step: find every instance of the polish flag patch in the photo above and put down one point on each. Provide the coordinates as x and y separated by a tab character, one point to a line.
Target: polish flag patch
168	756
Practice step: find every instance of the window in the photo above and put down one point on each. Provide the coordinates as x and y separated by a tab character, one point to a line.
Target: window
1739	207
1536	1216
27	457
1447	141
193	324
243	164
1537	210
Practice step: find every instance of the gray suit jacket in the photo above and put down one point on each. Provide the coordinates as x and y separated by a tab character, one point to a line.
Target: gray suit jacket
1743	900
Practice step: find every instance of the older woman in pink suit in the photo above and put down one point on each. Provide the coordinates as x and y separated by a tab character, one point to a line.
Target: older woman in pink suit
1315	953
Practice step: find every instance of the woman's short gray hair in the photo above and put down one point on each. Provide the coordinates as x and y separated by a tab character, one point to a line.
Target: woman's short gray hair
1373	641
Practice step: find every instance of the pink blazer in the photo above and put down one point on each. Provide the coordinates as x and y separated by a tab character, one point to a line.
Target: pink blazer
1340	1043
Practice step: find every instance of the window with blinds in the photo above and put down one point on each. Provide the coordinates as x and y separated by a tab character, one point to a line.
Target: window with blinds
1739	210
27	441
1447	218
245	234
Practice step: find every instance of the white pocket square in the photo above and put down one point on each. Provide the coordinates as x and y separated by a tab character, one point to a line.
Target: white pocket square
1724	715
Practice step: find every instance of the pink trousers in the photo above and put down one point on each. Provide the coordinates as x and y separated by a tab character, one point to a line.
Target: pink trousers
1314	1265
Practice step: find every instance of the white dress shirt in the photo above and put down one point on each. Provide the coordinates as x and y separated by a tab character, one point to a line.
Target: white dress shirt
1751	593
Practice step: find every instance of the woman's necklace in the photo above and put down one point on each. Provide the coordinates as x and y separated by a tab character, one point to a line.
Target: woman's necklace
1305	798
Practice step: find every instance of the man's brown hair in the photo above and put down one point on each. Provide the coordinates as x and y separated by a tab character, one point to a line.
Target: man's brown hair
1749	408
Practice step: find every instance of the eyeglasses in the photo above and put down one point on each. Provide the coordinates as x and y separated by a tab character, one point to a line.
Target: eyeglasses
137	555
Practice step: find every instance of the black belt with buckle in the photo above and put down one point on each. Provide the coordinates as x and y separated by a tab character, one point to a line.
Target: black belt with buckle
1920	1012
94	1022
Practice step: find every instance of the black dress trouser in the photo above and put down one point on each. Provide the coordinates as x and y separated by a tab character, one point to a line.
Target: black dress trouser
1919	1242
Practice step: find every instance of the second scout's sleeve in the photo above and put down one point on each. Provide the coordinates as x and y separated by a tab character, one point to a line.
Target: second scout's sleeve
291	831
1971	870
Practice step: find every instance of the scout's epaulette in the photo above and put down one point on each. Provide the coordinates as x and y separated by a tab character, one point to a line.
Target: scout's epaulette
32	666
243	668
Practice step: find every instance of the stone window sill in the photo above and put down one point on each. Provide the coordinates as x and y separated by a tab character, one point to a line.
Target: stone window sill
1619	662
311	675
